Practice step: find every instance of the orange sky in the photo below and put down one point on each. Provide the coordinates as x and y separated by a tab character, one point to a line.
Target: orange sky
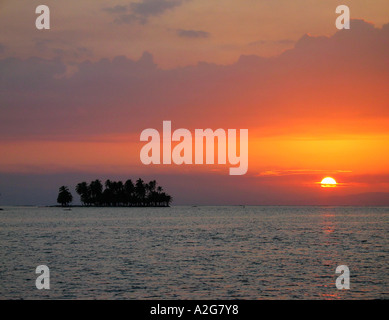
234	28
315	105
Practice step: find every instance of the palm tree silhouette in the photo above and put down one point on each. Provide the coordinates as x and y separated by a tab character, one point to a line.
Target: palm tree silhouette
129	190
117	193
64	196
96	192
83	190
140	191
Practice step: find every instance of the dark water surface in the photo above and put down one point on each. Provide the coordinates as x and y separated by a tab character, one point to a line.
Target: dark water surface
194	252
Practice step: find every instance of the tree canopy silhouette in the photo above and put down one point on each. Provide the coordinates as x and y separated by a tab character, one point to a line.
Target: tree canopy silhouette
117	193
64	196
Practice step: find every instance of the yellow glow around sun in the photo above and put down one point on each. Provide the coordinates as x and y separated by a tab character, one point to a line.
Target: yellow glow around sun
328	182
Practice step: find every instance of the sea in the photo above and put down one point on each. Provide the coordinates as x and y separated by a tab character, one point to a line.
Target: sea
195	252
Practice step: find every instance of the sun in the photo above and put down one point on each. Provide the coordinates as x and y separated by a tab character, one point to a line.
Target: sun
328	182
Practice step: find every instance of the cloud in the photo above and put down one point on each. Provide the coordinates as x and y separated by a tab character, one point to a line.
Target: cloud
279	173
324	85
285	42
192	33
116	9
62	49
130	18
148	8
140	12
2	48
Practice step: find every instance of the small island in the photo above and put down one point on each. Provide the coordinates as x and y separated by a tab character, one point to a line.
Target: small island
117	194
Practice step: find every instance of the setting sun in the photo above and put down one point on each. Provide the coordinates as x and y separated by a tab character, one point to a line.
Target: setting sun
328	182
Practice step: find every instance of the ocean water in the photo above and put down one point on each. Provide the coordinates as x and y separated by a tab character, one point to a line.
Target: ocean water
194	252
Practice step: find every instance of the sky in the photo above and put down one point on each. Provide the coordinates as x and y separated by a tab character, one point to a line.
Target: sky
74	99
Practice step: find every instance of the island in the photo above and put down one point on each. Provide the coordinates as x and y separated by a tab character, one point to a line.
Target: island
117	194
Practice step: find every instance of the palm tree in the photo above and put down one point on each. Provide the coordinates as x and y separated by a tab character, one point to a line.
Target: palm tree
83	190
152	185
129	190
64	196
140	191
167	199
96	191
116	193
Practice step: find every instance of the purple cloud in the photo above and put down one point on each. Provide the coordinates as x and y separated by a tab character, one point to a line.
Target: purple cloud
192	34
